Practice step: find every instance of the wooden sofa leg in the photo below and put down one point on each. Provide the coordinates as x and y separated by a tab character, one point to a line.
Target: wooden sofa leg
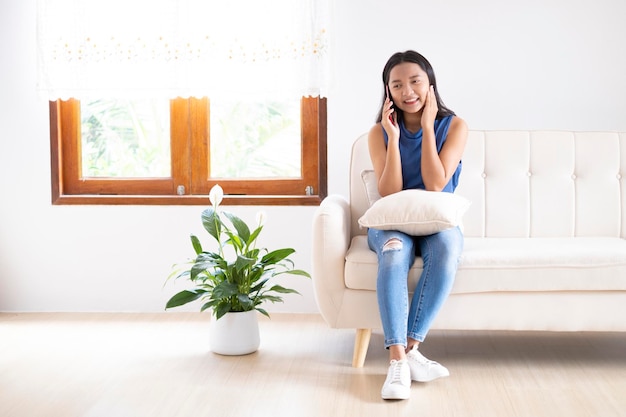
361	343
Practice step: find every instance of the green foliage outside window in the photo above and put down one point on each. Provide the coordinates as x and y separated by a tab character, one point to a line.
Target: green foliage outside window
131	138
255	139
125	138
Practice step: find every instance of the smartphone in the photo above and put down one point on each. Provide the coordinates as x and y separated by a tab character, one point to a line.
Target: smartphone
388	96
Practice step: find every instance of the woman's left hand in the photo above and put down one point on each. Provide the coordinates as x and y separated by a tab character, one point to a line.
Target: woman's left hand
430	108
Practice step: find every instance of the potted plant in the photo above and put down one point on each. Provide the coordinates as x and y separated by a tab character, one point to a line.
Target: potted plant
234	281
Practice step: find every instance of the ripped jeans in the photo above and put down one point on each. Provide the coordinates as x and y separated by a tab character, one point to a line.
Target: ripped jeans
396	253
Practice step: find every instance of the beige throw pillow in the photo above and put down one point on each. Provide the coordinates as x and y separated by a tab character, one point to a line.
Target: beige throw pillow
416	212
371	185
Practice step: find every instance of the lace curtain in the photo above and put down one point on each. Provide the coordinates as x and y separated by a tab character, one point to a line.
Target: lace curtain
182	48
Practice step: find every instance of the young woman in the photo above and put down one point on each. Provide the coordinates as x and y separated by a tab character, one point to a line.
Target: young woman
417	142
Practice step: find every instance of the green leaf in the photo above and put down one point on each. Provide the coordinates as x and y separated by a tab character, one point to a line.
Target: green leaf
234	241
184	297
224	289
295	272
240	226
243	262
277	256
272	298
208	305
283	290
207	256
197	246
245	302
262	311
258	287
210	260
200	268
221	309
253	253
254	235
212	223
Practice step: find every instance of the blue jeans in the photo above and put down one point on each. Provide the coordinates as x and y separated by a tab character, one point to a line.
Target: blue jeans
396	253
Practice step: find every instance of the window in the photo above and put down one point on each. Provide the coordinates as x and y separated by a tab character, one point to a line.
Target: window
92	54
82	173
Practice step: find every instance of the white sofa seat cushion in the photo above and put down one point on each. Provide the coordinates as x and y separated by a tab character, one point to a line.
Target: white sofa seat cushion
514	264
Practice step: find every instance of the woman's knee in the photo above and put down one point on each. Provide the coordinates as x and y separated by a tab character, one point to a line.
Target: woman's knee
451	240
392	244
446	245
383	241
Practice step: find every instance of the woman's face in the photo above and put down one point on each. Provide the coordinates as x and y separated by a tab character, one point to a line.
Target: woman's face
408	85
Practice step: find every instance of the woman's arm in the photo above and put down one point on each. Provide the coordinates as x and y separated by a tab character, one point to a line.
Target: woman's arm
438	167
386	158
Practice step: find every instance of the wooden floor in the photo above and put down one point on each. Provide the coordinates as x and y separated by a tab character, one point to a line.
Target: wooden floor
132	365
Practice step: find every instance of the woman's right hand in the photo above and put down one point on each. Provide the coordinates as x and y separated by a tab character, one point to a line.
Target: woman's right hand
390	120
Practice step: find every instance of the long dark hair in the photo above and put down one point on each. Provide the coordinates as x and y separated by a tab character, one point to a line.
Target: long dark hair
416	58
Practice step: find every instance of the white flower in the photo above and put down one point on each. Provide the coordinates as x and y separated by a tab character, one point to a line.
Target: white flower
260	218
216	195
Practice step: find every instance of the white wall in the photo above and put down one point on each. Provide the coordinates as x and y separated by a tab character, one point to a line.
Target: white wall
550	64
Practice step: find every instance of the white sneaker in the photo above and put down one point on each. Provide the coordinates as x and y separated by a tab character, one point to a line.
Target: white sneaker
423	369
398	383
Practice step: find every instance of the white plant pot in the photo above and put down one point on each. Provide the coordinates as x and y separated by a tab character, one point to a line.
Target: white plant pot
235	333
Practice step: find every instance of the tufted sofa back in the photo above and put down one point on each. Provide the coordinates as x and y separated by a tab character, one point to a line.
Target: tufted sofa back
531	183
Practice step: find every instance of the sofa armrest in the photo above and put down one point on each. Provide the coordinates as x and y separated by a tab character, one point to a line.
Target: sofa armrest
331	239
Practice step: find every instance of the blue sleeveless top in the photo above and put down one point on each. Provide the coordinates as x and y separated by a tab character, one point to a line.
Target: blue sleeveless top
411	155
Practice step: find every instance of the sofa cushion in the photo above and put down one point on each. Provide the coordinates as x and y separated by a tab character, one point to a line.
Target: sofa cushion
514	264
416	212
371	186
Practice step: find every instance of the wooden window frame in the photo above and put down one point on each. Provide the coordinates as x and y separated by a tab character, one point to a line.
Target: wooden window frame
190	144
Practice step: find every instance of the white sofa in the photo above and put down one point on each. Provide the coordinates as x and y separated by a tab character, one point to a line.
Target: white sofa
545	245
